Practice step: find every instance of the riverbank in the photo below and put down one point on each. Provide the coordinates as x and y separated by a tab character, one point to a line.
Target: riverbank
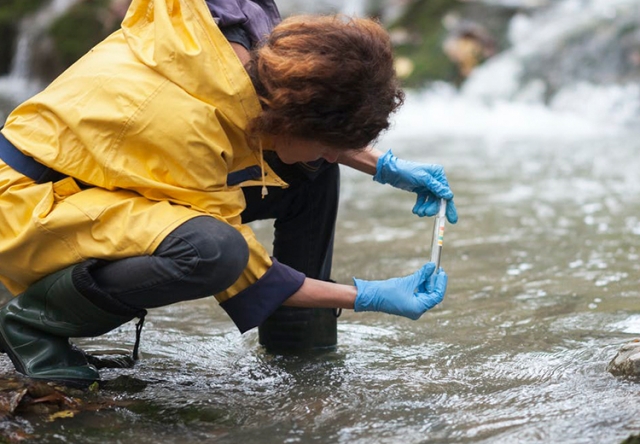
434	39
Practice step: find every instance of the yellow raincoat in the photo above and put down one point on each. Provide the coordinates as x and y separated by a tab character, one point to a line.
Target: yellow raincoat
153	120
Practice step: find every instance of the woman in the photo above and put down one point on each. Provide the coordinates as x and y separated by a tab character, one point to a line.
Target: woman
127	184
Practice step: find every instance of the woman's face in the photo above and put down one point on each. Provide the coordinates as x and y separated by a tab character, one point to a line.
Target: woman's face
295	149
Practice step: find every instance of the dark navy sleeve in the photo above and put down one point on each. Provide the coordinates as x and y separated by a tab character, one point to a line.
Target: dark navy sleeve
237	34
253	305
255	17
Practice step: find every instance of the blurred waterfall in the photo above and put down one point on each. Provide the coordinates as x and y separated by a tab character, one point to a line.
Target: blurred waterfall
577	56
572	72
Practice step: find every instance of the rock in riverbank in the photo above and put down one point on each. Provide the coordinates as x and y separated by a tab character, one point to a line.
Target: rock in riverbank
627	361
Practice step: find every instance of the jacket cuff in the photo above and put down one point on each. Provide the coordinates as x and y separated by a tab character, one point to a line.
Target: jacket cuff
253	305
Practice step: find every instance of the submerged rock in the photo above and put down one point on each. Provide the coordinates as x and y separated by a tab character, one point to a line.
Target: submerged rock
627	361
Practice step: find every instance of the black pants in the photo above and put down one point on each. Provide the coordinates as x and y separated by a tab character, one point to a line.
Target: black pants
204	256
305	214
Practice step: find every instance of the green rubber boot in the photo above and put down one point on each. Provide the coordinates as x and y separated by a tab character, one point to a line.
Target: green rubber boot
35	326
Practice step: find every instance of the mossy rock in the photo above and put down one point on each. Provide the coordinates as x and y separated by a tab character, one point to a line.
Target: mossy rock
422	22
626	362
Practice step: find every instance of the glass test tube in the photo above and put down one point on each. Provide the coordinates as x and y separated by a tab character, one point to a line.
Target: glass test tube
438	234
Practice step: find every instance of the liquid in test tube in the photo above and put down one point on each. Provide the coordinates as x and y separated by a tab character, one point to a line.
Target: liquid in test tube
438	235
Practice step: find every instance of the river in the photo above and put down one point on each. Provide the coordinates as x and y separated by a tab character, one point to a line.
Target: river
543	290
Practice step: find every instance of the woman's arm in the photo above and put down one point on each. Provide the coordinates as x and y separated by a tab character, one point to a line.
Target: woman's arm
321	294
363	160
408	296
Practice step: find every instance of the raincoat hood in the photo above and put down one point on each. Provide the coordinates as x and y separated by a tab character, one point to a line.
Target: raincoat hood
181	42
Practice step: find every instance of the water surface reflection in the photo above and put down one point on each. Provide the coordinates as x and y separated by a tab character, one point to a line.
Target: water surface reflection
543	290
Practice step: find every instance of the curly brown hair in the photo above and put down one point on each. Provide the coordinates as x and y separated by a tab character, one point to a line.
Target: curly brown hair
327	78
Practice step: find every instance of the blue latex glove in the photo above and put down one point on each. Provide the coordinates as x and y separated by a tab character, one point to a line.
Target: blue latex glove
408	296
427	181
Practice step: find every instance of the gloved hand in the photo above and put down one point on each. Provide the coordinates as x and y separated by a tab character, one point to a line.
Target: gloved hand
408	296
428	181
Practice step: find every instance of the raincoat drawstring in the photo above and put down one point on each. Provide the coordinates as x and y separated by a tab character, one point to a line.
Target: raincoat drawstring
265	191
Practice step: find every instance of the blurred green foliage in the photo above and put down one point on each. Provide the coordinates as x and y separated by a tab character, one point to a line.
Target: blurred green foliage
80	29
7	38
12	10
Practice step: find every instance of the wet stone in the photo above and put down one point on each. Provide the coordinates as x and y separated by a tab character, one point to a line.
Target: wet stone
627	361
124	383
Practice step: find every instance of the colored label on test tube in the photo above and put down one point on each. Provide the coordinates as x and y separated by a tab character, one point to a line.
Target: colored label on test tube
438	234
441	233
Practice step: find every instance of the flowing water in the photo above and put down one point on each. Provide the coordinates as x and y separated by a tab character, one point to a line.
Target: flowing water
544	277
543	290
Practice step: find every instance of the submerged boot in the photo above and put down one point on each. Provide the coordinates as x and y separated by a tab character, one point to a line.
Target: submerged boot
35	326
